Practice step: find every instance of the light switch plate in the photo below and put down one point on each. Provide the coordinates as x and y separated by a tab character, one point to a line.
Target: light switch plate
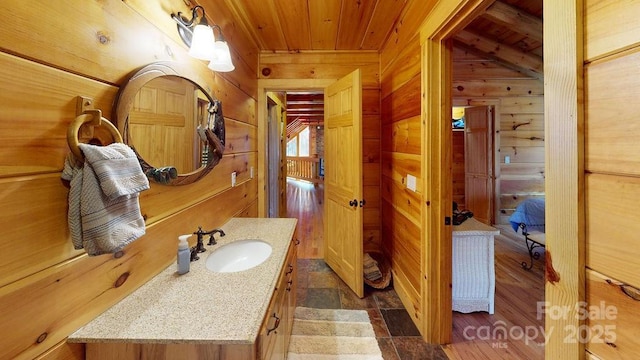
411	182
233	178
507	159
251	172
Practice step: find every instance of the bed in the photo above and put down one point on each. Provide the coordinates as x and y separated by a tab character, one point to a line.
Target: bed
528	219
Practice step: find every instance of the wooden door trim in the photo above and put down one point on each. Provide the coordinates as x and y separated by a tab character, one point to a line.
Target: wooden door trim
264	86
564	134
564	120
442	23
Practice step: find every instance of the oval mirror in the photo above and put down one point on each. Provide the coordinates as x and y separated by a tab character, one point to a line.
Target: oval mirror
174	125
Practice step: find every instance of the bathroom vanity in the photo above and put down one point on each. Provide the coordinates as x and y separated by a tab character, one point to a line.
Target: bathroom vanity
205	314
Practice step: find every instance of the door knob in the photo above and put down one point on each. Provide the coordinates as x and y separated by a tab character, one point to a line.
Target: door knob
353	203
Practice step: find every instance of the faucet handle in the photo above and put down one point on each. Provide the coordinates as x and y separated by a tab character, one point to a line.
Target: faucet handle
212	240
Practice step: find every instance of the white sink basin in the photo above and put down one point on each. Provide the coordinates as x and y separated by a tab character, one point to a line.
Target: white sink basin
238	256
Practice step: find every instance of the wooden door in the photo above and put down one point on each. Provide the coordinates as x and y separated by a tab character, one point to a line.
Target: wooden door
162	125
478	145
343	180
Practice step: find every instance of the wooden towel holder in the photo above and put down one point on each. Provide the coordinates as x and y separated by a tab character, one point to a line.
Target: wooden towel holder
91	117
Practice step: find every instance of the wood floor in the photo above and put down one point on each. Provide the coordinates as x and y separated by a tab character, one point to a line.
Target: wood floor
513	332
304	202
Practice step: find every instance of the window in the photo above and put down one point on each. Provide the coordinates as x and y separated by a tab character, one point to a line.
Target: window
303	142
292	147
299	145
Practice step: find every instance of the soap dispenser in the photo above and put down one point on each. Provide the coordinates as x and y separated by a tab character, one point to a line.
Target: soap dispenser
184	255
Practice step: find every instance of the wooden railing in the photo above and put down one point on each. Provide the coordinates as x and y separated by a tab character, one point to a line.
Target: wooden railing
304	168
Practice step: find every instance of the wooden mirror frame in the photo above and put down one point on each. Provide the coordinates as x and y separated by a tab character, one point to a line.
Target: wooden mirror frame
136	82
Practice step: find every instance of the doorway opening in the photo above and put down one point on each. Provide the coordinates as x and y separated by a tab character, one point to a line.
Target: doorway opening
497	147
296	144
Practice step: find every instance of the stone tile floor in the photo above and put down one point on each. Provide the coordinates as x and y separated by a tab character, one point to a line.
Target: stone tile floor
399	339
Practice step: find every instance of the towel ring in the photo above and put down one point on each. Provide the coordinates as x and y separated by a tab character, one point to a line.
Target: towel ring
92	117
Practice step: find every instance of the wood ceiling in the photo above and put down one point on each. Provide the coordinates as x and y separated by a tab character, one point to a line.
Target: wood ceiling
508	32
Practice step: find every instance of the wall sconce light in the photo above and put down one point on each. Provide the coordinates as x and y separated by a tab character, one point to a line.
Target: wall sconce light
202	42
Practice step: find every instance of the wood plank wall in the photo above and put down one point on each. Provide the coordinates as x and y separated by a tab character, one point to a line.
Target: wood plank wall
519	102
612	173
89	48
402	153
284	66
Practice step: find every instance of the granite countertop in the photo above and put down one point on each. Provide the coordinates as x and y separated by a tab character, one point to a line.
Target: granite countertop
200	306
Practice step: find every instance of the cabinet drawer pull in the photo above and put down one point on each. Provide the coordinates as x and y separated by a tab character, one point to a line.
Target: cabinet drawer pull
290	270
275	325
297	241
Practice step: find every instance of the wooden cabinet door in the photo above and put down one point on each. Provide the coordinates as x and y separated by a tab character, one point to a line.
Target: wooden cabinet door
343	180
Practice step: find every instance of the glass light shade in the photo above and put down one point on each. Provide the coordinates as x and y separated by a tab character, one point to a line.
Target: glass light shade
202	43
221	60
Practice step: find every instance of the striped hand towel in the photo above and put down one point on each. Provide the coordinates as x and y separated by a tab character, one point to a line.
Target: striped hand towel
104	212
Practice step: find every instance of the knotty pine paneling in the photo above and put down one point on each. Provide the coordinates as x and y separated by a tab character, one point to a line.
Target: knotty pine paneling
44	278
370	77
321	65
404	69
612	226
159	201
402	136
406	30
611	110
522	171
482	69
521	121
240	137
94	43
353	13
522	138
396	166
526	155
371	124
402	243
524	104
610	27
615	324
403	200
402	103
499	89
33	130
371	150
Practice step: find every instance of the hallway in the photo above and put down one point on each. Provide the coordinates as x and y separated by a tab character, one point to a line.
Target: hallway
517	291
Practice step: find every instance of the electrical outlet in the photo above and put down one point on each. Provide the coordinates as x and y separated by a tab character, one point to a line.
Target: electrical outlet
507	159
233	178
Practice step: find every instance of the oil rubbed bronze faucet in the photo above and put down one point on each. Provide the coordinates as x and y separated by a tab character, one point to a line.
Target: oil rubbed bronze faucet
199	248
212	240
